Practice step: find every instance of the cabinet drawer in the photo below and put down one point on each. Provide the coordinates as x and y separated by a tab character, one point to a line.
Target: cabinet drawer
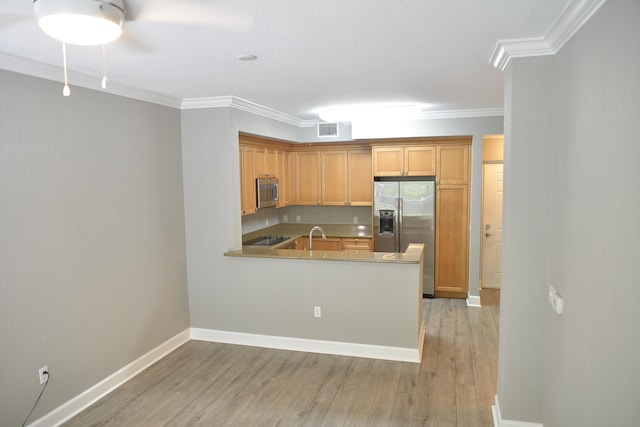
356	244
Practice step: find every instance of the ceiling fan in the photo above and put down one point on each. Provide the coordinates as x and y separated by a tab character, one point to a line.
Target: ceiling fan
98	22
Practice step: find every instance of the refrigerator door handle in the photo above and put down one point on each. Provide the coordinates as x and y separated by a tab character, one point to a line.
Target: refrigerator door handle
400	231
396	225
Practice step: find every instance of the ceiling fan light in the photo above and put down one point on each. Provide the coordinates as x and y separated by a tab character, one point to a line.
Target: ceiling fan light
81	22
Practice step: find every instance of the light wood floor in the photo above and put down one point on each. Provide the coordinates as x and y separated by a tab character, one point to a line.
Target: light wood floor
211	384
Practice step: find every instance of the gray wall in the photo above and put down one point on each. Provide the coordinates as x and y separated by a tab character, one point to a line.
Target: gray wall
580	368
92	255
272	297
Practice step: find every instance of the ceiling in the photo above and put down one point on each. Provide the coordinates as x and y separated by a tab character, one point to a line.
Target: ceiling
311	54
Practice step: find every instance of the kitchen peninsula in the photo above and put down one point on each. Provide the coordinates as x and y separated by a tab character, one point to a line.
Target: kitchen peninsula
358	303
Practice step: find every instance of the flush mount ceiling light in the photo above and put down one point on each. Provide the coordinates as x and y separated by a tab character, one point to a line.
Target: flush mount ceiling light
81	22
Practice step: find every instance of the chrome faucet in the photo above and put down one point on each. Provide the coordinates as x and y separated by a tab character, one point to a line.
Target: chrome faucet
317	227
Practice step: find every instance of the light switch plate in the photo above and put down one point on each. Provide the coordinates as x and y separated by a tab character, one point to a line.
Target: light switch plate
555	300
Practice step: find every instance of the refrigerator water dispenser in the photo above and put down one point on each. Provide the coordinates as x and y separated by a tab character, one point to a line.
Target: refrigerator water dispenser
386	221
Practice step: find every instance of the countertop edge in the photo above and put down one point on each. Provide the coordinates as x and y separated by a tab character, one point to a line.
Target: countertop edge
413	255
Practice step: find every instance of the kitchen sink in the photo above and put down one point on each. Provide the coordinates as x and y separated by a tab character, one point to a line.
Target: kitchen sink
266	240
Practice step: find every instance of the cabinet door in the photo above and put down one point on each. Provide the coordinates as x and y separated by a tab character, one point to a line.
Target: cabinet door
452	241
260	154
388	161
453	164
420	161
359	179
271	163
283	178
301	244
334	178
247	180
331	244
266	162
307	182
356	244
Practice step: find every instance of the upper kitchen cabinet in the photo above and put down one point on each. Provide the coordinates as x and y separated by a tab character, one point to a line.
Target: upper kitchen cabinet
307	182
284	178
404	160
359	179
262	158
247	180
266	162
346	178
333	175
333	178
452	164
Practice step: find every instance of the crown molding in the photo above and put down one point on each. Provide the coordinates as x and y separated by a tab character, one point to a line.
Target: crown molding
461	114
54	73
572	18
244	105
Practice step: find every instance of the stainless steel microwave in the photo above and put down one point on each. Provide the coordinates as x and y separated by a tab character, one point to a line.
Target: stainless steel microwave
267	192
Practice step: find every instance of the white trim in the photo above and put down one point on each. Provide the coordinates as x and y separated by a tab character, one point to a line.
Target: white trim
54	73
572	18
312	346
82	401
461	114
499	422
421	336
473	301
244	105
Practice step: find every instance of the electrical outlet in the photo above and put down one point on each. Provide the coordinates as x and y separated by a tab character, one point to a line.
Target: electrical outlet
285	218
298	219
266	222
43	374
355	219
317	312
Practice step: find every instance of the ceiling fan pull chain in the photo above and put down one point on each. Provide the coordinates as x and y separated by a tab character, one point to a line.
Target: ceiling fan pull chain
66	91
105	80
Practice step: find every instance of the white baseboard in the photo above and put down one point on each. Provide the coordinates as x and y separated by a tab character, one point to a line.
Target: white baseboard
499	422
85	399
312	346
473	301
72	407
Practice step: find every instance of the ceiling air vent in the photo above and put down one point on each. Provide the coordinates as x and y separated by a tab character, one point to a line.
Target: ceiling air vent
327	130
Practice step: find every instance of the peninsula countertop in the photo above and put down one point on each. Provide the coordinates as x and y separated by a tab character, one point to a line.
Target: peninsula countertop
413	255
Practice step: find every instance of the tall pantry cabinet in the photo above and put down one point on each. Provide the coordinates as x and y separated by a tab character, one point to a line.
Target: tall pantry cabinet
447	159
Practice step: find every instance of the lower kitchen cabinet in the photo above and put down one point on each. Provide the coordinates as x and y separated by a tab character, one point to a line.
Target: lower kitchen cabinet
356	244
334	244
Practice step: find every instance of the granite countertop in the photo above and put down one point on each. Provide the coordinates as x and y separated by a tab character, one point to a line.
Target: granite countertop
296	230
413	255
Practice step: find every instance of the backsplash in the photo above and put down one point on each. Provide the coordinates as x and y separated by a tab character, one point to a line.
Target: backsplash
308	215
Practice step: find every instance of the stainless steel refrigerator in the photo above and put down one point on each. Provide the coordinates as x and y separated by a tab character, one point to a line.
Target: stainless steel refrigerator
403	213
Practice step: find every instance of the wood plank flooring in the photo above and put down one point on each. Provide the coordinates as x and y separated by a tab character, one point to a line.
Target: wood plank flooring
211	384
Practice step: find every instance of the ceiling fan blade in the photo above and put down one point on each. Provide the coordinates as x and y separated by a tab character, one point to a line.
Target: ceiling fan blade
193	12
133	40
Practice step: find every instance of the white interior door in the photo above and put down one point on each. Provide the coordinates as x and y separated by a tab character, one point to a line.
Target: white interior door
491	225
